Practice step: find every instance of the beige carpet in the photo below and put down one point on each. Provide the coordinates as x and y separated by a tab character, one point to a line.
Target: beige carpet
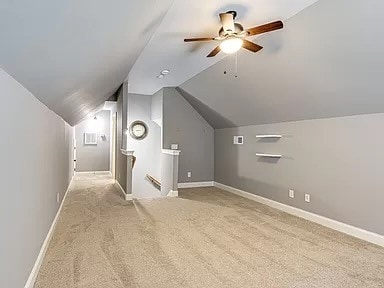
204	238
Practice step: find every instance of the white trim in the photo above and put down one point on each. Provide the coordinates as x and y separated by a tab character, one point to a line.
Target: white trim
127	197
171	152
173	193
333	224
120	188
196	184
109	173
127	152
43	250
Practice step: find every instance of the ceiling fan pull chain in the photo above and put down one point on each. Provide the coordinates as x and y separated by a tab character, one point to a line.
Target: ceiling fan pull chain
236	65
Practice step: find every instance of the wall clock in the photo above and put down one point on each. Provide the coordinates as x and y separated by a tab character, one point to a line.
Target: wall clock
138	130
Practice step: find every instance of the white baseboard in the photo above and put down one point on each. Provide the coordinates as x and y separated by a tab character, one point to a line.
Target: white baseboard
127	197
109	173
43	250
121	189
196	184
333	224
173	193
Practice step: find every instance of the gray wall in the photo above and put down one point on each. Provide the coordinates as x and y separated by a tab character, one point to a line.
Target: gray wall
121	160
36	154
94	157
338	161
147	151
184	126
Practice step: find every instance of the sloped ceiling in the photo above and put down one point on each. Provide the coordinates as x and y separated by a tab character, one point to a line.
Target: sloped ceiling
73	54
186	18
328	61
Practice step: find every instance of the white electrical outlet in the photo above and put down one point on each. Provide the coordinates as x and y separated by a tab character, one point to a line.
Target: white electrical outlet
189	174
291	193
307	198
57	198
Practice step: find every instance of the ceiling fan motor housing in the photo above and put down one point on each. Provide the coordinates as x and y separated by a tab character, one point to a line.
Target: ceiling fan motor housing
238	30
227	21
234	13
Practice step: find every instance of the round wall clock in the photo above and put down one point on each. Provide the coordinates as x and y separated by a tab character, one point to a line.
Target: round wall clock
138	130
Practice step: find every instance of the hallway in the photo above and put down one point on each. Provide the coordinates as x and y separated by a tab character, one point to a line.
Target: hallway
204	238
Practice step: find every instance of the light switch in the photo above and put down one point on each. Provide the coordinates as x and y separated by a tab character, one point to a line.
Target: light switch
238	140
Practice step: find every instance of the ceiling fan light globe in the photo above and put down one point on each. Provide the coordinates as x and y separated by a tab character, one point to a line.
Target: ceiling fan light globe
231	45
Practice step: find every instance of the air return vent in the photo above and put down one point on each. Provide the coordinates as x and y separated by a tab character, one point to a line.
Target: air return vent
90	138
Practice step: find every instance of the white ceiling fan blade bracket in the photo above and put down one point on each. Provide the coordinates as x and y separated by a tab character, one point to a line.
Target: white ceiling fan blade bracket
219	38
242	34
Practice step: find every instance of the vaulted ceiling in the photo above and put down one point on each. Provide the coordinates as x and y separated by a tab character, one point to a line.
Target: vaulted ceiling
73	55
185	18
327	62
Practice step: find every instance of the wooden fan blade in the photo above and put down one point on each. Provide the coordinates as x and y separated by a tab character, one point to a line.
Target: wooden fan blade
214	52
251	46
198	39
265	28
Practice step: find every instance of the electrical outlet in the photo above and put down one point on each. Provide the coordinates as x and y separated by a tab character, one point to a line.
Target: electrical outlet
307	198
57	198
189	174
291	193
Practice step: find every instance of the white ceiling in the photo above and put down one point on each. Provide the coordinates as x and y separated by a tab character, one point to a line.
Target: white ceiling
72	55
185	18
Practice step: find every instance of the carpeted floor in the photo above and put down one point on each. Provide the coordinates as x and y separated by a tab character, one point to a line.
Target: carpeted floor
204	238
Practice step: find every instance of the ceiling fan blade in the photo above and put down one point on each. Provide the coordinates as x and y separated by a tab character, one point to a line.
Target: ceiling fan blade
251	46
228	22
199	39
265	28
214	52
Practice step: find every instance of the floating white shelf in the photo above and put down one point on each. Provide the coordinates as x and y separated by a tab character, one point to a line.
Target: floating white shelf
171	151
269	155
269	136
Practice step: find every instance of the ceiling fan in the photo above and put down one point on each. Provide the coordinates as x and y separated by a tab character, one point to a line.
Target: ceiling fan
232	35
